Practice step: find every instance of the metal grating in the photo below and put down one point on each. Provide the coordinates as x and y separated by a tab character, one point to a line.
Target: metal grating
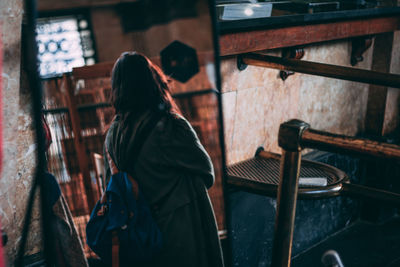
267	171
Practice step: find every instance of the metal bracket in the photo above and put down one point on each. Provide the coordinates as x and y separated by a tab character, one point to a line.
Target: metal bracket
294	53
240	64
259	149
358	46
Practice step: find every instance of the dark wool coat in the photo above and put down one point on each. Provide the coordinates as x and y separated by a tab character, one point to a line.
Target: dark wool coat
173	171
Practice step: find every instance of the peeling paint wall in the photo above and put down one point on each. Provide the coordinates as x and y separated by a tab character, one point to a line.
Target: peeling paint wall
256	101
19	149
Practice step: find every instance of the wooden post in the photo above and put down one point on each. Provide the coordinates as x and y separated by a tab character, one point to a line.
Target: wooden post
376	107
289	136
377	94
286	208
83	160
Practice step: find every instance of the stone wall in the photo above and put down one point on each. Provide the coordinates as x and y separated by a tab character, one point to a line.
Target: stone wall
19	150
256	101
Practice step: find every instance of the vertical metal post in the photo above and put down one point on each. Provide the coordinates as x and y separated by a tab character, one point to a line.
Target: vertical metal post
289	139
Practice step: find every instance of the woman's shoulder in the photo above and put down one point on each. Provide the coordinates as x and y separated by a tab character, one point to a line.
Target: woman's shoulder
177	122
175	126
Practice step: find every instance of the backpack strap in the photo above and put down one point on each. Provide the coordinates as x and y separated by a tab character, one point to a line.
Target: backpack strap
114	170
139	141
141	138
115	249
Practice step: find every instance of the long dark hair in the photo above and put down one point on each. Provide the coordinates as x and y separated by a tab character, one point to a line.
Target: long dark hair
138	85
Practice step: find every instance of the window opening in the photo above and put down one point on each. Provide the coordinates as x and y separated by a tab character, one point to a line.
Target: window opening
64	43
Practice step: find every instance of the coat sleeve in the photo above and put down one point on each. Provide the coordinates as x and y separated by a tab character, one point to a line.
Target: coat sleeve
181	149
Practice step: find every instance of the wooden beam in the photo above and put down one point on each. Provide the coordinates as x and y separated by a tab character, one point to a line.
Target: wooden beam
103	69
82	157
320	69
257	40
348	144
94	71
376	104
51	5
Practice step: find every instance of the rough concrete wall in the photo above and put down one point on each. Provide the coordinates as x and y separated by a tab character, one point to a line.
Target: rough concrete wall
256	101
19	157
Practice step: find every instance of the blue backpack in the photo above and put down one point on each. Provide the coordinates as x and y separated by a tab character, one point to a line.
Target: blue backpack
121	229
129	220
